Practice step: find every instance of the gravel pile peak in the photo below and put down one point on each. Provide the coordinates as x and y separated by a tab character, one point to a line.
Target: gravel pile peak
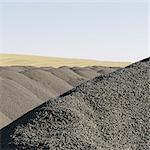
107	113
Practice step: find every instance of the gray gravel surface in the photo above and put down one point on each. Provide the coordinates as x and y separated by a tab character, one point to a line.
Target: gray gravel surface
25	87
107	113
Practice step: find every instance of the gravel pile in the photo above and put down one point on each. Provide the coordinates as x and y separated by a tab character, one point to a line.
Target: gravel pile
25	87
106	113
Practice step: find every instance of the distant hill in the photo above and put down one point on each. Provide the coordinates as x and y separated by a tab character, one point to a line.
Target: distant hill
109	112
39	61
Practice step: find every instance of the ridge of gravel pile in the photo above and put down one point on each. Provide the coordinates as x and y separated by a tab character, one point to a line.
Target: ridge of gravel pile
106	113
25	87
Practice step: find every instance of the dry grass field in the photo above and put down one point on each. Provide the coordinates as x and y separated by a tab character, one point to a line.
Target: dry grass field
40	61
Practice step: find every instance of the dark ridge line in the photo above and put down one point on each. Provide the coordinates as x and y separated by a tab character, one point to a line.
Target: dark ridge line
69	92
101	77
142	60
145	60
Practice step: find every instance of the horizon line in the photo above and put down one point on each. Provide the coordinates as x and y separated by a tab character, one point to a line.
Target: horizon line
75	58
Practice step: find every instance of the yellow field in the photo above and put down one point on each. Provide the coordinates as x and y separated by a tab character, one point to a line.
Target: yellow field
41	61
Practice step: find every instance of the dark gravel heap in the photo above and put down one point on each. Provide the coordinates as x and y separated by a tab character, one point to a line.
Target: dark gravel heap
107	113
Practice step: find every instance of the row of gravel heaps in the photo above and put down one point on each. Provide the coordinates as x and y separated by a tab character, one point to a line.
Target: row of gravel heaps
107	113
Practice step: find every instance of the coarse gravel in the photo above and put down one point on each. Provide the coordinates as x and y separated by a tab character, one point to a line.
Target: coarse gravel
110	112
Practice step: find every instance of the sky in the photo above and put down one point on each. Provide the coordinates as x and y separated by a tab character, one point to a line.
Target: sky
102	30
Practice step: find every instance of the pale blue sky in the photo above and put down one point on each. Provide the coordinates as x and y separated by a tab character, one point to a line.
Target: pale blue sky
97	30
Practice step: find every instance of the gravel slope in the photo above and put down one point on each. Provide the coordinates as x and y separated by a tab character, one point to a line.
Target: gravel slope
13	104
50	81
4	120
106	113
35	87
22	85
